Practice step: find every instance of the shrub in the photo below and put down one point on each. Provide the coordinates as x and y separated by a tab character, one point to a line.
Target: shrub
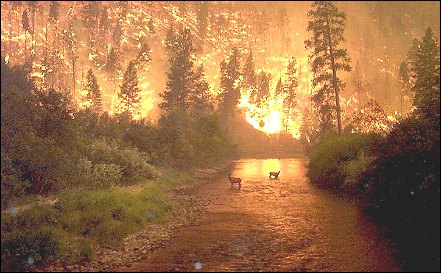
354	169
133	164
330	156
24	250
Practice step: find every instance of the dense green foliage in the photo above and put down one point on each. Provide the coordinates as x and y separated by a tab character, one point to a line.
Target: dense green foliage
336	161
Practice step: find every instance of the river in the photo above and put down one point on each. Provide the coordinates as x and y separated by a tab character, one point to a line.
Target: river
284	224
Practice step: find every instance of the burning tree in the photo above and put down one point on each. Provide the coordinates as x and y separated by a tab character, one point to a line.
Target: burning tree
370	118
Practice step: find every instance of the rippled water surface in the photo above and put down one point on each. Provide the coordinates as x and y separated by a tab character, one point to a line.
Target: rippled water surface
283	224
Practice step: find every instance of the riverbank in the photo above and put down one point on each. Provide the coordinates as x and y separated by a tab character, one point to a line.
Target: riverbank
82	237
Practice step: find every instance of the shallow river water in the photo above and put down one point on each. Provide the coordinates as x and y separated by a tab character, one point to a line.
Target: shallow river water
283	224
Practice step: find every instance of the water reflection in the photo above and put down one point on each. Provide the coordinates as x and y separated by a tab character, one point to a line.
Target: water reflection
308	225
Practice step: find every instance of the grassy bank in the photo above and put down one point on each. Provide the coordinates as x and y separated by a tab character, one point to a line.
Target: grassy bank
82	219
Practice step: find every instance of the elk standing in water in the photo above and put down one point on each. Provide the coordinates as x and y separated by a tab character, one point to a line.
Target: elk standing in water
234	180
274	174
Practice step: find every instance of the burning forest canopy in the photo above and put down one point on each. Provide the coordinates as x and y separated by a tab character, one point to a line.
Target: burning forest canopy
65	40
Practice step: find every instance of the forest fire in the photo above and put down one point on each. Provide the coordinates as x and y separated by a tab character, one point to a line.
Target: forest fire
125	124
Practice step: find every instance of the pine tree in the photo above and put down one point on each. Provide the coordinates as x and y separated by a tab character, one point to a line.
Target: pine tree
202	17
117	35
93	91
292	84
33	6
90	18
27	29
230	77
71	42
427	70
359	83
104	24
151	27
283	22
291	90
327	24
279	88
129	94
112	61
144	57
404	83
263	87
171	42
25	21
54	10
249	74
180	75
200	97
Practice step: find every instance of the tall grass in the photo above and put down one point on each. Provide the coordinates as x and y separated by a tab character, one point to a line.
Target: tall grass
82	219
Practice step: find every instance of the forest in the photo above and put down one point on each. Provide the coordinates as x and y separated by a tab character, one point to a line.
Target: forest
107	108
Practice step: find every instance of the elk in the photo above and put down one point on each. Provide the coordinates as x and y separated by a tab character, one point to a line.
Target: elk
274	174
234	180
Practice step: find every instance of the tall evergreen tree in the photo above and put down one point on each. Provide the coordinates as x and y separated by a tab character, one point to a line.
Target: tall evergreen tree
112	61
117	35
404	83
180	75
279	88
91	14
71	43
93	91
327	57
359	83
291	90
201	104
202	16
427	70
171	42
27	29
144	57
230	79
249	72
263	87
129	95
54	11
411	59
104	24
283	22
33	5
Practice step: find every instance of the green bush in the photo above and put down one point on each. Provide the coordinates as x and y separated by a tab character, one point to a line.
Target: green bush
354	169
337	158
22	250
13	184
134	164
